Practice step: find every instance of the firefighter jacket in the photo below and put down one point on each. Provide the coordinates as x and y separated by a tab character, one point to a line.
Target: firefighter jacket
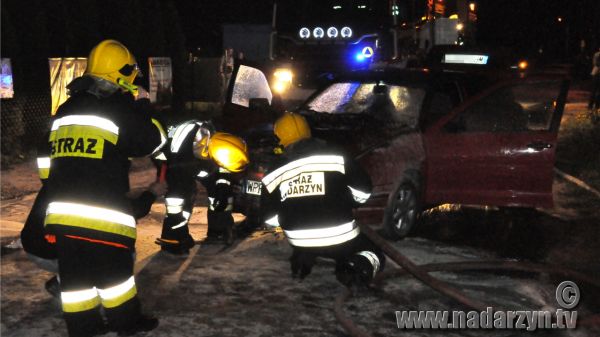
311	194
92	137
183	169
219	188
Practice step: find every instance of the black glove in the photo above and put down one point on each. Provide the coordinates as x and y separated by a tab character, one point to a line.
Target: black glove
301	263
354	271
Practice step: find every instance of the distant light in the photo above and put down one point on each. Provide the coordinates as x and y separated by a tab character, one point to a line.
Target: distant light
472	6
460	26
304	33
559	19
336	7
346	32
318	33
332	32
362	7
453	16
423	18
523	65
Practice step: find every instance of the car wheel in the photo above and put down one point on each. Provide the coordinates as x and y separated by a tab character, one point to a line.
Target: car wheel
402	211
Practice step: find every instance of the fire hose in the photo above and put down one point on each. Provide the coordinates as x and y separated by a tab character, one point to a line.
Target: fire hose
422	273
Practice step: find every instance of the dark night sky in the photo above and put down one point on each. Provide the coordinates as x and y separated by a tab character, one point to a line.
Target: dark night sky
523	24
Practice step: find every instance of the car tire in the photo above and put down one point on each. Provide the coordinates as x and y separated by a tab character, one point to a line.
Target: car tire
402	211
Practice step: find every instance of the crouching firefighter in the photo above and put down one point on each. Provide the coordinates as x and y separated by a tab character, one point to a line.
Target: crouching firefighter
311	194
93	135
197	153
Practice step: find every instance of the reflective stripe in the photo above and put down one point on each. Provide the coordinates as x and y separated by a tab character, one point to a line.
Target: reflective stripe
308	164
223	181
180	134
223	170
274	221
359	196
43	162
212	206
119	294
163	136
373	259
174	205
160	156
43	173
86	120
202	174
80	300
323	236
186	216
90	217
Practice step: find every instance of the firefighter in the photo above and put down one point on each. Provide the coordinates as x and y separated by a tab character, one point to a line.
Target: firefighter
311	193
93	135
40	247
196	152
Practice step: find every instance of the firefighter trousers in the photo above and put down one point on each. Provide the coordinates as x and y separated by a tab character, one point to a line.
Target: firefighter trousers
94	275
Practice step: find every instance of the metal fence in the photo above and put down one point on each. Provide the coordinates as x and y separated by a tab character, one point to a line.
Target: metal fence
24	119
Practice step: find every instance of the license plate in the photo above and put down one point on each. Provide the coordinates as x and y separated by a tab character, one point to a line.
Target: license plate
253	187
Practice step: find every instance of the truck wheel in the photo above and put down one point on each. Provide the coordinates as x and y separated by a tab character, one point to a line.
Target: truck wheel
402	211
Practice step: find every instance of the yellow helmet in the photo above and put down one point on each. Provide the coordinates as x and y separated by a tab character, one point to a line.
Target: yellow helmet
228	151
112	61
291	128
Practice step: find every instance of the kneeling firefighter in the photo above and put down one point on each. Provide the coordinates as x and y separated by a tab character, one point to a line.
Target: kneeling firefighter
311	194
196	152
93	135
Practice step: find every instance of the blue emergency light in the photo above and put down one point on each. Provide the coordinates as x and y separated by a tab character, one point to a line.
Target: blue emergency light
363	53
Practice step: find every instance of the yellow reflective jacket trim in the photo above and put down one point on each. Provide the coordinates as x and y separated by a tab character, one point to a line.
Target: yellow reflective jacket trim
43	164
78	301
163	135
88	223
44	173
76	131
80	141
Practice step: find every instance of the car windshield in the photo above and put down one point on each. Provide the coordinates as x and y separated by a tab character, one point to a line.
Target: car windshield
393	104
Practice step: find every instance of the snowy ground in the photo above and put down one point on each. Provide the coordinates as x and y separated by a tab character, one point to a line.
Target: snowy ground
247	291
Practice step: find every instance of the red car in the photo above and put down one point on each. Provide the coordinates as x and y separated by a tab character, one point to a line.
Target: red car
430	137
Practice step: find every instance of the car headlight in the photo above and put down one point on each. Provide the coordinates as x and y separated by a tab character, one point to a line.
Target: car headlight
282	79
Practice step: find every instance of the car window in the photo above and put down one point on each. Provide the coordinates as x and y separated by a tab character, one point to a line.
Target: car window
516	108
250	83
393	104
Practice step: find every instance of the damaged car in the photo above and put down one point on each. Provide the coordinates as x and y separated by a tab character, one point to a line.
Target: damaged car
425	136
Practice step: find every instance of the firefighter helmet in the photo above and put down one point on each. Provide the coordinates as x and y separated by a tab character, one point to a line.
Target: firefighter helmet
112	61
291	128
228	151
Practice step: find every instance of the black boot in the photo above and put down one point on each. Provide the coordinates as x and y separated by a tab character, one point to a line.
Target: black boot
143	323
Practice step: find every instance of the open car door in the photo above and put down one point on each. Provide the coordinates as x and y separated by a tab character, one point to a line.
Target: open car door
248	101
499	147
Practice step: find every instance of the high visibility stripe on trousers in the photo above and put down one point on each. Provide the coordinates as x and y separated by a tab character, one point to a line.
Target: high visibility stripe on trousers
87	299
90	217
322	237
